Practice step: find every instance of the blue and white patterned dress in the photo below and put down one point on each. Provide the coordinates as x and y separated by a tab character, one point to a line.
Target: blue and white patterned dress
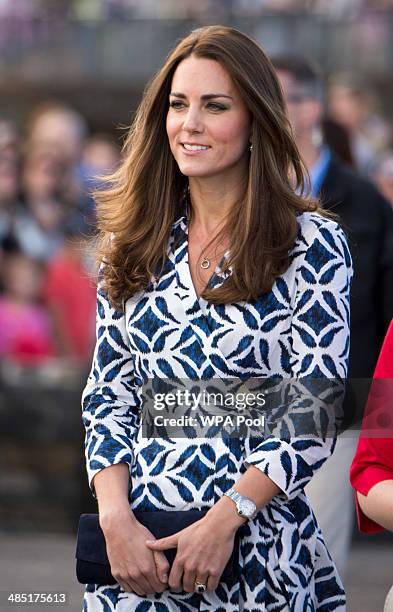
299	328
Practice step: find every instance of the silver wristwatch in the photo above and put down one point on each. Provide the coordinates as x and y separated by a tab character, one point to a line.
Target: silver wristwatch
244	505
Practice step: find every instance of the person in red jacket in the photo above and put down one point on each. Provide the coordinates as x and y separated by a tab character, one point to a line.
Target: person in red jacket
371	472
70	294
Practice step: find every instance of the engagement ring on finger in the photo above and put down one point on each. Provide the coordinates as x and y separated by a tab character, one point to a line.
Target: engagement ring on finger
200	587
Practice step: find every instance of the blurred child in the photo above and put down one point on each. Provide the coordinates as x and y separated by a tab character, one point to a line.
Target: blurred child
25	327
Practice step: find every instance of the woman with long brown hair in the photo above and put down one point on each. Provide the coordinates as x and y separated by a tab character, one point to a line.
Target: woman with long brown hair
214	265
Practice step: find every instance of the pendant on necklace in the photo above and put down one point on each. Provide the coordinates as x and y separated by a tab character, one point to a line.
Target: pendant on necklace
205	263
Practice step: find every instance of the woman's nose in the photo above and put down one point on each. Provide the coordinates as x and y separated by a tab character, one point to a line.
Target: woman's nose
193	121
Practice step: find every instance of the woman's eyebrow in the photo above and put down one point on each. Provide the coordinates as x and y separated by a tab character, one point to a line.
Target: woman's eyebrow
204	97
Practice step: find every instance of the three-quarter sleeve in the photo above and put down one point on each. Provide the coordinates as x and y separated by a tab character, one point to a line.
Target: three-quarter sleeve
319	338
110	406
373	460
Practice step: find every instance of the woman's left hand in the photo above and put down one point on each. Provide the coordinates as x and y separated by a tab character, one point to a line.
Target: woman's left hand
202	554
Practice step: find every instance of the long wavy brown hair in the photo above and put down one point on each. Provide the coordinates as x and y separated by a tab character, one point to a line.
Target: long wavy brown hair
141	201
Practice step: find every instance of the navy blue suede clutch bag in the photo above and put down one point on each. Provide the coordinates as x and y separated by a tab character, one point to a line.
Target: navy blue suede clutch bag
92	565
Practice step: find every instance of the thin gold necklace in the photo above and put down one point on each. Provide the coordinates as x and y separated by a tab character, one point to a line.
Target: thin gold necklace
205	263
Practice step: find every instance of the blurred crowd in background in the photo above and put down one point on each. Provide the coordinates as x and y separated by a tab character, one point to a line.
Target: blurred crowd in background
112	9
47	219
47	216
51	162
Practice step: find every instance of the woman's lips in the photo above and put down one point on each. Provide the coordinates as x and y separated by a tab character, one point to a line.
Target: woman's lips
194	149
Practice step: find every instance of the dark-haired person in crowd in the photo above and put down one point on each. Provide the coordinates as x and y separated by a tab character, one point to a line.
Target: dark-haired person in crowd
368	219
336	138
9	180
38	225
100	157
215	265
9	193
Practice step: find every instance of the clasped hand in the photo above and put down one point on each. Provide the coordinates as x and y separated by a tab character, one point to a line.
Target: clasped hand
201	554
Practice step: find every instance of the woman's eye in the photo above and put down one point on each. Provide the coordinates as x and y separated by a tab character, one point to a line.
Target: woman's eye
216	107
213	106
176	104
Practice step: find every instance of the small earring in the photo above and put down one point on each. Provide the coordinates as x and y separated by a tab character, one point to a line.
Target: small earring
251	147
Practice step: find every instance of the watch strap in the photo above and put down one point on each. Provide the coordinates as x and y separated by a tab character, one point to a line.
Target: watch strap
233	494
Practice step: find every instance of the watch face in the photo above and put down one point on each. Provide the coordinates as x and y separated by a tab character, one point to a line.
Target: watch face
246	507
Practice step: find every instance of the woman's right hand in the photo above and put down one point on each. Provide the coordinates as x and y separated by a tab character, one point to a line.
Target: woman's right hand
133	565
